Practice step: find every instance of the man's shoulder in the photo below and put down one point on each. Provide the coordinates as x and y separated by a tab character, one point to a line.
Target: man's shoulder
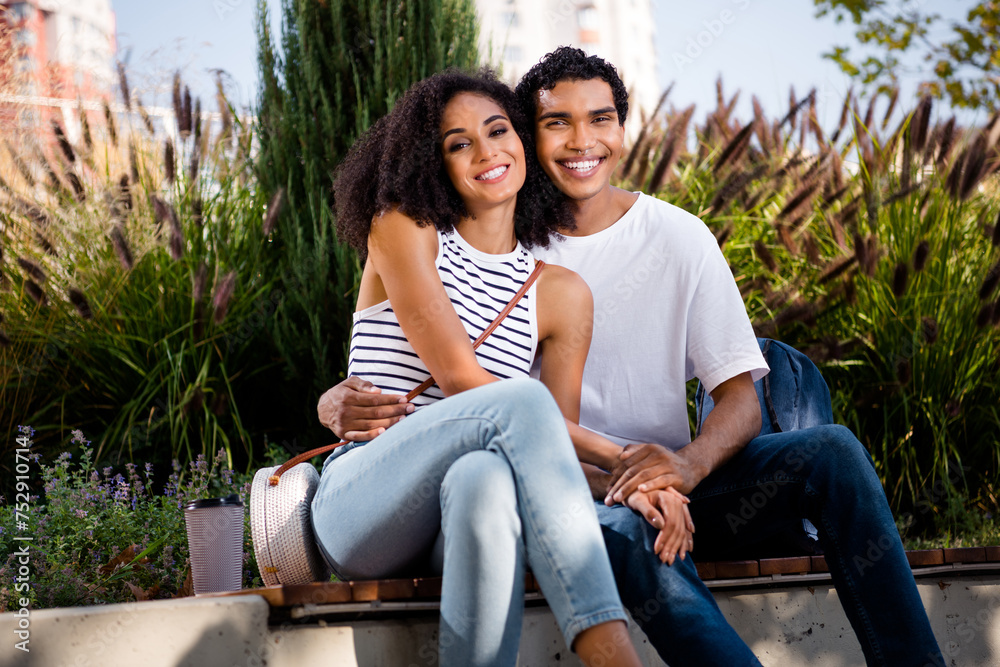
659	218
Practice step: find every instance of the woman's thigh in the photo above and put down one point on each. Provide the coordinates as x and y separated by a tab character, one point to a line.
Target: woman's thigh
377	509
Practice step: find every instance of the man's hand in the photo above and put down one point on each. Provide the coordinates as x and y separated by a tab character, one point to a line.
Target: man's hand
649	467
357	410
667	511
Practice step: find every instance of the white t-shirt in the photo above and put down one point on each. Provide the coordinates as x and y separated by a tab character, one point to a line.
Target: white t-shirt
666	310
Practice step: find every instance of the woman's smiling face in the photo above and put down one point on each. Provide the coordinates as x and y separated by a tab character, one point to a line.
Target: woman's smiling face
483	156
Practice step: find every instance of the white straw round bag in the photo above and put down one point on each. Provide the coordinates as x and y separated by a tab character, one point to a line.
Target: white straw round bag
282	532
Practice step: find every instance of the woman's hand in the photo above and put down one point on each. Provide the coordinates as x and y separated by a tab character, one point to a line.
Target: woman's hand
666	510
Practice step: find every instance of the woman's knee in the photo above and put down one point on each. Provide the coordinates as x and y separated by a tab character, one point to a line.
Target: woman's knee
479	490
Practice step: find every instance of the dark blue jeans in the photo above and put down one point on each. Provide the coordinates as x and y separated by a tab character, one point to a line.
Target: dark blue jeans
823	474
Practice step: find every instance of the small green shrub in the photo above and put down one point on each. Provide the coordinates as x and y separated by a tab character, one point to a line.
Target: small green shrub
100	536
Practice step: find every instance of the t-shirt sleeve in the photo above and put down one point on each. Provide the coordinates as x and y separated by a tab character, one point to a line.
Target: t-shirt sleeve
721	343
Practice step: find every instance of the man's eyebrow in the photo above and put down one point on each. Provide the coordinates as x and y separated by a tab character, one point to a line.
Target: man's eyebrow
553	114
458	130
564	114
605	110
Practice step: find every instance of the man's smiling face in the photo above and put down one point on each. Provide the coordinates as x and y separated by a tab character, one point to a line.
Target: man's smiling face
578	136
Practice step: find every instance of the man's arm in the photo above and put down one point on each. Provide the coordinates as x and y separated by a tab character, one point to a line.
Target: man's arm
357	410
733	423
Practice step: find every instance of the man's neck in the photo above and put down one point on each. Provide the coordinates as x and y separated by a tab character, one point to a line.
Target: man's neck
599	212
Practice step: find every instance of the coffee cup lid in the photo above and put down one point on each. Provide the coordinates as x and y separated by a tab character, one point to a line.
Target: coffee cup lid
231	499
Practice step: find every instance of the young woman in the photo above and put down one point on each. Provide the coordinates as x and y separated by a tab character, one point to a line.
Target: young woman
486	481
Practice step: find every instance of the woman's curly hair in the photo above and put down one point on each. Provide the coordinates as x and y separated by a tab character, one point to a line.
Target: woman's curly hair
398	163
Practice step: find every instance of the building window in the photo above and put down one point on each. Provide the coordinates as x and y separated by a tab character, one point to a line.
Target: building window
508	20
588	18
512	54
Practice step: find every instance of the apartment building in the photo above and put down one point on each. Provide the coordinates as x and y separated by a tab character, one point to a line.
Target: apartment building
517	33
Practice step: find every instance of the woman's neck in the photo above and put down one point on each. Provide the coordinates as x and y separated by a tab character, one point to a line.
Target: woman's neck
491	230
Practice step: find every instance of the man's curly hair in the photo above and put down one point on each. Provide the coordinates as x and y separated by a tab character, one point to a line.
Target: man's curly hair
570	64
398	163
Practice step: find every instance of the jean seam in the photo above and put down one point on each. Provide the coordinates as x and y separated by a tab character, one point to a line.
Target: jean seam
849	582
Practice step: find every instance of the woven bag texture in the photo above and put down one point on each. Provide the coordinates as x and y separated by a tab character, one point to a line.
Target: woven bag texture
282	532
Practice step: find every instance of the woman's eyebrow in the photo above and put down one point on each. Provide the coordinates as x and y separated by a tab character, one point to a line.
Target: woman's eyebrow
457	130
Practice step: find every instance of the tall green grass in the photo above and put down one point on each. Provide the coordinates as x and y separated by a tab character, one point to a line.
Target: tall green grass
874	249
136	291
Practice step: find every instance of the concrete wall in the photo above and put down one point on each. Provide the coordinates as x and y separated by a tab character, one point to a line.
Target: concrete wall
799	625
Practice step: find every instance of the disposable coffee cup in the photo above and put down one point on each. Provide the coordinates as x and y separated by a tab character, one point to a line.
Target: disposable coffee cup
215	542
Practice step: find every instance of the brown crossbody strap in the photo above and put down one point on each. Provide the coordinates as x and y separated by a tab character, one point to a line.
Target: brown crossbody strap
423	386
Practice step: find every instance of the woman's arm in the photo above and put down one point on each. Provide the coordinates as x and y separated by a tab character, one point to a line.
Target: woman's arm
565	324
402	255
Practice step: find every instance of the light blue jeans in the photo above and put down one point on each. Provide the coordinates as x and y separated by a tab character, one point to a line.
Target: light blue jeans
488	479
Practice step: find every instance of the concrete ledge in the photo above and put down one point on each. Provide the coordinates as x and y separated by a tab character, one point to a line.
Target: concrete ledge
791	625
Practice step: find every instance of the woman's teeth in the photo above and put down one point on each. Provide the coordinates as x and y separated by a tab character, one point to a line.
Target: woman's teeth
492	173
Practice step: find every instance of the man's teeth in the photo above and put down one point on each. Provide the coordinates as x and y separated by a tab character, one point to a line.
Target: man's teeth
492	173
584	165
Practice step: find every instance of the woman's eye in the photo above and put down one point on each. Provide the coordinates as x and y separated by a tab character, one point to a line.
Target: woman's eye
498	131
457	146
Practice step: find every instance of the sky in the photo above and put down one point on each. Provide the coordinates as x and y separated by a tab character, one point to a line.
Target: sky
760	47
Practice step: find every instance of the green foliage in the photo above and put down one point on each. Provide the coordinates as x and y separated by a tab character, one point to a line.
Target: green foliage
99	537
963	60
878	254
146	258
341	66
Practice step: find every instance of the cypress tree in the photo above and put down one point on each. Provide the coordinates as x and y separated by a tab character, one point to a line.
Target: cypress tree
342	64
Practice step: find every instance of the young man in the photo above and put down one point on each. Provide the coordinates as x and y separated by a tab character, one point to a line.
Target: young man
666	310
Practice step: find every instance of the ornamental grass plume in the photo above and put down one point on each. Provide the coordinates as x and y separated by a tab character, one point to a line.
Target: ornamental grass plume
77	186
123	86
147	122
990	282
735	148
899	278
995	239
845	111
787	239
188	125
273	211
32	269
133	163
734	186
79	302
88	139
920	255
643	132
36	293
919	122
64	145
929	329
124	195
169	165
223	294
121	246
946	143
673	144
893	99
800	201
111	123
22	167
193	167
765	256
45	244
985	316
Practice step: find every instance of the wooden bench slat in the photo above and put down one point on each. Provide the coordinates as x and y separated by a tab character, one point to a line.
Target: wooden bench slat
793	565
925	557
965	555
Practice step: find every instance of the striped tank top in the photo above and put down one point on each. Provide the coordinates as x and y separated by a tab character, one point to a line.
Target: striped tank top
479	286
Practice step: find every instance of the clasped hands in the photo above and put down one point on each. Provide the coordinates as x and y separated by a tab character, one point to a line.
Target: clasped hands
652	480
